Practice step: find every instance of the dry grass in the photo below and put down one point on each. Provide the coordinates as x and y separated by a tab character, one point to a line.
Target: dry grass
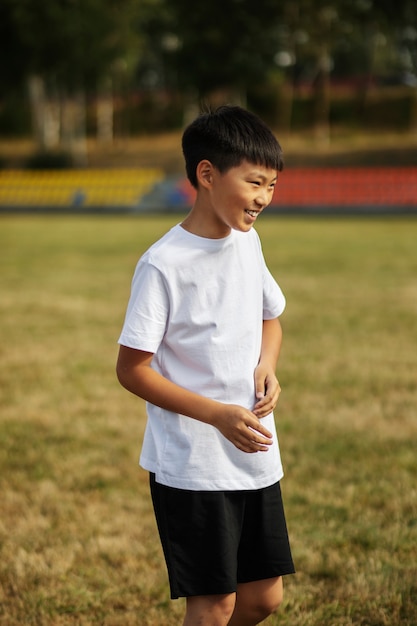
78	542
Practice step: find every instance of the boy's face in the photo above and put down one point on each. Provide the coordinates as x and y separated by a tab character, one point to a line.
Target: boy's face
239	195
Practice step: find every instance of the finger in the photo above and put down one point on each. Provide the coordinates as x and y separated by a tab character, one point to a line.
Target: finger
261	410
262	434
251	447
261	413
260	391
260	444
267	404
271	394
266	400
260	384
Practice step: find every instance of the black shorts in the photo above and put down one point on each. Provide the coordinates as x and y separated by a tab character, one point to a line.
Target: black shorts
214	540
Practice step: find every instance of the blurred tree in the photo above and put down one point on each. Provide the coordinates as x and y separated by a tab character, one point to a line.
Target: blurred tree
350	38
397	23
63	49
314	36
12	58
233	45
226	43
220	45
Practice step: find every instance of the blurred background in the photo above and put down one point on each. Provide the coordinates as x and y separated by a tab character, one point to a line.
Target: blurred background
93	84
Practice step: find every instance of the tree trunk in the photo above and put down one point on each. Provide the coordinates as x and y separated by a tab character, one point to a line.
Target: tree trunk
105	112
74	128
105	119
45	115
322	98
37	104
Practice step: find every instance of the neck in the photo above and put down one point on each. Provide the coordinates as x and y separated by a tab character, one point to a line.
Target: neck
200	222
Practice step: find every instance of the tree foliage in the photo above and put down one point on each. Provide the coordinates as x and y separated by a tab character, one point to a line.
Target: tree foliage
228	42
70	42
187	47
204	46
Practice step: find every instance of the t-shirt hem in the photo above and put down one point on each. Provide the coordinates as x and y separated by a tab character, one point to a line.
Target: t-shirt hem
214	484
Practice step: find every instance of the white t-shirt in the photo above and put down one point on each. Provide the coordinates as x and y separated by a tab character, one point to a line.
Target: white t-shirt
198	304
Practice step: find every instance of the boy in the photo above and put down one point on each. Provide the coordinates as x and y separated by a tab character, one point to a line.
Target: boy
200	344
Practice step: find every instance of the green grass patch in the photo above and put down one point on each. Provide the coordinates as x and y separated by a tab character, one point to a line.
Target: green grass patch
78	541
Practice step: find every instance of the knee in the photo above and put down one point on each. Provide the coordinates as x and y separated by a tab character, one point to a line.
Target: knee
264	603
275	595
265	607
224	607
218	609
270	603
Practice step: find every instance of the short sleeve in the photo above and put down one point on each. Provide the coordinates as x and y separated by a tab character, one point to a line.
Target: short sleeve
147	310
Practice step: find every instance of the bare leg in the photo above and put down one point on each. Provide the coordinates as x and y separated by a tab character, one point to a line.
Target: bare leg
256	600
213	610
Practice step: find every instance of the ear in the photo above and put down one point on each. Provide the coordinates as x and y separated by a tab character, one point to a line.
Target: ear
204	173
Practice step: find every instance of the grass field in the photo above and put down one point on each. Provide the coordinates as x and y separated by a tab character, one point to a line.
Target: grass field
78	542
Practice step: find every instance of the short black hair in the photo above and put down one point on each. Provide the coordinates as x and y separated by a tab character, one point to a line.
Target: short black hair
226	137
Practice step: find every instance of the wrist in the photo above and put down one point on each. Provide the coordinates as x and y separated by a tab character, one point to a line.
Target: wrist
214	412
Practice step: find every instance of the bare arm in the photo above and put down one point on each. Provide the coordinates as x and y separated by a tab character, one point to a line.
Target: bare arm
266	384
239	425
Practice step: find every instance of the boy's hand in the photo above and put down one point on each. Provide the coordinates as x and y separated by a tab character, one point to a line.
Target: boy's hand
243	429
267	390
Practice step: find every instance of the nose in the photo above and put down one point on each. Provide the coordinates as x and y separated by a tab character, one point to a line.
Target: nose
262	197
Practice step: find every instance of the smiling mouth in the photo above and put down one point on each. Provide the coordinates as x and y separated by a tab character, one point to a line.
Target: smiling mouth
252	213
